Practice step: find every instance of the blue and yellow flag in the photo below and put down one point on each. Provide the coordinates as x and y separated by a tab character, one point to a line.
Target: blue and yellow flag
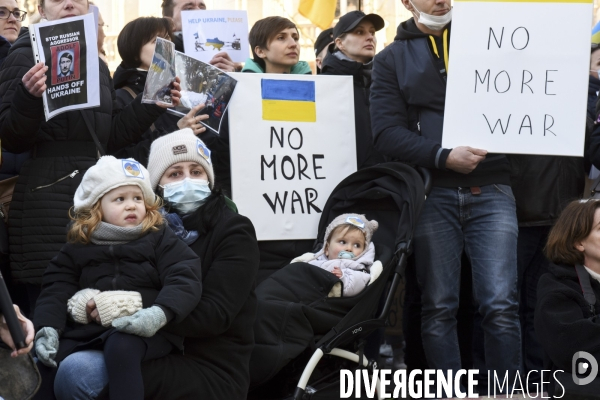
319	12
287	100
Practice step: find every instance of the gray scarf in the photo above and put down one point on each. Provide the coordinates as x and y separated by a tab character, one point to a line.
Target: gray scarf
107	234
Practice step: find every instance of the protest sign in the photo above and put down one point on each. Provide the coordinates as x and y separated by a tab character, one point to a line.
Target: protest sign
73	69
201	83
206	33
517	83
292	140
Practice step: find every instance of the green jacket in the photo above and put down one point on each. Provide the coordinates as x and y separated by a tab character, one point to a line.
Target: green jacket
301	68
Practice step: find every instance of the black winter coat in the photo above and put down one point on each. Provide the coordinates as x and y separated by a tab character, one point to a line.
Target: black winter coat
564	323
366	155
544	185
63	150
408	97
161	267
218	333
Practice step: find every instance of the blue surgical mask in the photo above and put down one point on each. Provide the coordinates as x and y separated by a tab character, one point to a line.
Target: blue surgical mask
187	195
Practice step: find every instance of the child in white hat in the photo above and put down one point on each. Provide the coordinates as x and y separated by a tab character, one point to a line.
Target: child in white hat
348	252
130	271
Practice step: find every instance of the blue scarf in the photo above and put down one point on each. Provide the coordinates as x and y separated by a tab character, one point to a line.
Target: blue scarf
176	225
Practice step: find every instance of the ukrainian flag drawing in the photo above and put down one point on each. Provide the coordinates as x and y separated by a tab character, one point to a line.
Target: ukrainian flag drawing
288	100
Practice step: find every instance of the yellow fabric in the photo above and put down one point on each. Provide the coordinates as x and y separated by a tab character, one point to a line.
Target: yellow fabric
285	110
434	46
319	12
446	49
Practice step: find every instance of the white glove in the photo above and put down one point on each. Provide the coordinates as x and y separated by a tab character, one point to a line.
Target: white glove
76	304
115	304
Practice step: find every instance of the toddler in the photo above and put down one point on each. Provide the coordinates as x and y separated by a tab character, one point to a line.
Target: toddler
136	272
348	252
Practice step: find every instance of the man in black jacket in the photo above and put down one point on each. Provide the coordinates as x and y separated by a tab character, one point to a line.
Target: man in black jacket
471	207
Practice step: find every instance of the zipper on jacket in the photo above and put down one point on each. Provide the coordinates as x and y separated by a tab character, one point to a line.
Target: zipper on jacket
117	271
71	175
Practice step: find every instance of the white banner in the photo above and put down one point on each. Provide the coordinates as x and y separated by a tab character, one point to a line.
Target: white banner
292	140
517	83
206	33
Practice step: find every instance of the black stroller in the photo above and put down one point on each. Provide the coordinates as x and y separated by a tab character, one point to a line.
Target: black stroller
292	336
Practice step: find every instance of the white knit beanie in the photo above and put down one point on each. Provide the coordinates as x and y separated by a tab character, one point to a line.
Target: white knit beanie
357	220
110	173
176	147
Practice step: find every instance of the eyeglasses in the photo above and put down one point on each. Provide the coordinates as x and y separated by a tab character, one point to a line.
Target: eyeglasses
18	14
103	26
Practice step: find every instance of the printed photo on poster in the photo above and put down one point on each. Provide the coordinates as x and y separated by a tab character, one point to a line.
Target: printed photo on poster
73	69
208	32
66	58
201	83
161	74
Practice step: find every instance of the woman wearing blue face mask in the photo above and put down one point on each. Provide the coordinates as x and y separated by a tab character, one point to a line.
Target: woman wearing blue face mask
218	334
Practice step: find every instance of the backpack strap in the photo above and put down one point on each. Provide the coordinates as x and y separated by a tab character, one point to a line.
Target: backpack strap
130	91
586	287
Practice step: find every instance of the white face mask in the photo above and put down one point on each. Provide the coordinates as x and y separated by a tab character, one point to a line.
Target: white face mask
433	22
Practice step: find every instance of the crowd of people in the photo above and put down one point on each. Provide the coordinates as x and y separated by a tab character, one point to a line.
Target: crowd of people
118	282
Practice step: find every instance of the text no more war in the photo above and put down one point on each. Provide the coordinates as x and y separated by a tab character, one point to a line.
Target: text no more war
292	167
65	89
431	384
522	81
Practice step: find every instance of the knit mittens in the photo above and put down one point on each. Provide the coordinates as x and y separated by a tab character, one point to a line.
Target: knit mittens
110	304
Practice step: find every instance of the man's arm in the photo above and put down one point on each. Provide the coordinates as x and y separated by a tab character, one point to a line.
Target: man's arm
392	136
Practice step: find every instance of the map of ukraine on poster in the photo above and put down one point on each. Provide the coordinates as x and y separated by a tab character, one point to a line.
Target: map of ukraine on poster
292	140
517	83
208	32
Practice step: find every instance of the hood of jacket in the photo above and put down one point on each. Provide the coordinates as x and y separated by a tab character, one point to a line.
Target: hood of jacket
333	65
302	68
132	77
408	30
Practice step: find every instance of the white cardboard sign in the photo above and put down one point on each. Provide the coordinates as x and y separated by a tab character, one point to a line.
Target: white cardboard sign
206	33
517	83
292	140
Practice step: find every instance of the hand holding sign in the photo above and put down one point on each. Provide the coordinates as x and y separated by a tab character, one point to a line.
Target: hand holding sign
192	121
465	159
35	79
175	95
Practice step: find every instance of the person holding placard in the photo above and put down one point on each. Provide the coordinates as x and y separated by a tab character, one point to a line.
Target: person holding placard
352	54
136	43
63	148
173	9
471	206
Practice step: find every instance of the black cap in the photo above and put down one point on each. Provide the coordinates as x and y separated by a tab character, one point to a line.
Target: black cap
349	21
323	40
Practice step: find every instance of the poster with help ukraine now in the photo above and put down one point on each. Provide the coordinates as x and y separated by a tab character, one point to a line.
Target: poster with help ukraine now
516	83
292	140
208	32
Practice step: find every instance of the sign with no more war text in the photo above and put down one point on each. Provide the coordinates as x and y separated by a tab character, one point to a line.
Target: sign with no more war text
517	83
292	140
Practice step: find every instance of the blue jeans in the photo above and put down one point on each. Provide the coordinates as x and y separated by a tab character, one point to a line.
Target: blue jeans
485	226
81	376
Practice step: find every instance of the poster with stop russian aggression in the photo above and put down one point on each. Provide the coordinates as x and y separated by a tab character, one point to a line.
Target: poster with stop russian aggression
72	78
515	84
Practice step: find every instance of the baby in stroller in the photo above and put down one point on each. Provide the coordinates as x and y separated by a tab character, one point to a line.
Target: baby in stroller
348	253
